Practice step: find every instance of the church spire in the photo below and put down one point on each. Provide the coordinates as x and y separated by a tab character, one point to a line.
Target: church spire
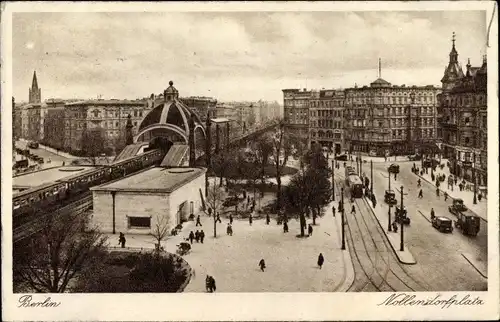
379	68
35	93
34	83
453	52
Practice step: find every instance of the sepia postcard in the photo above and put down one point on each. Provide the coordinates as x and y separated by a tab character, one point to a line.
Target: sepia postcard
271	161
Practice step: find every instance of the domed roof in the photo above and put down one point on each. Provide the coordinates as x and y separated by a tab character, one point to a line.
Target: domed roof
379	82
171	88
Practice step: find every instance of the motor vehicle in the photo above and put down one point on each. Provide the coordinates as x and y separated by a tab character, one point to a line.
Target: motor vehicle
230	201
390	197
458	207
402	215
33	145
394	168
415	157
373	153
342	157
468	224
443	224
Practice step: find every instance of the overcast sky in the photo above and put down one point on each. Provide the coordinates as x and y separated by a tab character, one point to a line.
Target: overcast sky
234	56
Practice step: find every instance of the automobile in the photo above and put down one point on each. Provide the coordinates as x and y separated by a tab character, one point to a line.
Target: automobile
342	157
390	197
394	168
402	215
33	145
415	157
469	224
230	201
443	224
458	207
373	153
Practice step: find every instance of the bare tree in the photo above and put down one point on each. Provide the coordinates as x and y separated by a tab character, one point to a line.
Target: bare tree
160	230
263	149
93	144
65	248
214	200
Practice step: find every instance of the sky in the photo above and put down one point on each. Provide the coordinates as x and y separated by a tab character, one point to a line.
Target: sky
235	55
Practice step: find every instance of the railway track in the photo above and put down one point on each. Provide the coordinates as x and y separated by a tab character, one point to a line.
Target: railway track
375	266
30	228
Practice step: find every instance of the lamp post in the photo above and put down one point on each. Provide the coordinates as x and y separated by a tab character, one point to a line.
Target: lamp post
343	233
402	246
389	227
389	211
333	180
371	176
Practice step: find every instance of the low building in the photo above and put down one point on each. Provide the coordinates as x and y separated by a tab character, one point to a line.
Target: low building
136	204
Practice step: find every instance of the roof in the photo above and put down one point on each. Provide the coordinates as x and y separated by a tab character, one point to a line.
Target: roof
379	82
220	120
48	175
154	180
107	102
442	218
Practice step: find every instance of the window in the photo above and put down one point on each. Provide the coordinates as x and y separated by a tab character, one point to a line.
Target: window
467	121
139	222
467	140
135	123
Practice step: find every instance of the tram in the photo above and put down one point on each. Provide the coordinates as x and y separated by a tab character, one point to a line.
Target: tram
355	186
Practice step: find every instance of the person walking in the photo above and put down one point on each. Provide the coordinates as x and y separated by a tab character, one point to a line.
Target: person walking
420	194
437	192
202	236
333	211
285	227
250	219
268	219
191	237
445	196
394	227
198	222
353	210
321	260
262	264
122	240
197	236
309	230
218	218
209	212
229	230
433	215
419	183
230	219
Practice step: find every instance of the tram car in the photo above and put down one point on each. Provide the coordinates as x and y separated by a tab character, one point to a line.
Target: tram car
355	186
26	203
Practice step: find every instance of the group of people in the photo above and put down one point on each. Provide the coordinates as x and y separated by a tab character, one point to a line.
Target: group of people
199	236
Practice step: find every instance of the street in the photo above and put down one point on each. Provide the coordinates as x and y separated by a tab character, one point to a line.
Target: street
56	159
440	260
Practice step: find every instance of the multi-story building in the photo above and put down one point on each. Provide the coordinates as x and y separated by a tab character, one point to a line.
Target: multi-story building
463	118
108	115
34	121
54	127
326	110
17	124
200	105
387	119
296	112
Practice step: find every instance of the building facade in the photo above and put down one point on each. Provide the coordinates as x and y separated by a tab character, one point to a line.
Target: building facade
384	119
110	116
202	106
326	111
54	128
296	112
463	119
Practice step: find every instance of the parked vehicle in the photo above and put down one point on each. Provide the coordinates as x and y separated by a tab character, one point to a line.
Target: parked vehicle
394	168
443	224
342	157
390	197
468	224
33	145
458	207
402	215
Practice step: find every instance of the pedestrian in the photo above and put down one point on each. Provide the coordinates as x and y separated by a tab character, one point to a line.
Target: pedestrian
202	236
374	201
433	215
198	222
394	227
285	227
262	264
437	192
420	194
63	163
353	210
395	176
333	211
218	218
122	240
229	230
244	194
321	260
197	236
419	183
250	219
268	219
209	212
309	230
191	237
212	283
230	219
445	196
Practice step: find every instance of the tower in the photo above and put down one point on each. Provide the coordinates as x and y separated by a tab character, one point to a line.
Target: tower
453	72
35	96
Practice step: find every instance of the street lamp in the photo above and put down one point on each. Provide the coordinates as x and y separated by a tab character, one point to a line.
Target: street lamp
389	227
402	246
343	233
474	177
333	180
371	176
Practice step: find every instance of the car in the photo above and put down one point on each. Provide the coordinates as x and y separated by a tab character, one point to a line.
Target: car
342	157
443	224
394	168
390	197
402	216
33	145
373	153
230	201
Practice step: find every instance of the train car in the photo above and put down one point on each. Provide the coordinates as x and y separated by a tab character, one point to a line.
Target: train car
355	186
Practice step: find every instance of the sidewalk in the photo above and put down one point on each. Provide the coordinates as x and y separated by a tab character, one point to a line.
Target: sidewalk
481	208
52	150
381	214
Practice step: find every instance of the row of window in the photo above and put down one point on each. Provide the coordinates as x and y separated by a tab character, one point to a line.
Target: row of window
335	103
326	113
396	134
326	123
391	100
465	100
328	135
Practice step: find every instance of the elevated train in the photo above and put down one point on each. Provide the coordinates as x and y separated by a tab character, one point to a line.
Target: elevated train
26	203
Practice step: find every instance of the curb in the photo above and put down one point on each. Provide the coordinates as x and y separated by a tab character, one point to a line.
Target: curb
396	252
434	184
475	267
348	266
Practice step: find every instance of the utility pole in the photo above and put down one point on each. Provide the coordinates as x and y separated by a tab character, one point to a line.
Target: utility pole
343	224
371	176
402	246
389	212
389	227
389	176
474	177
333	180
360	165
